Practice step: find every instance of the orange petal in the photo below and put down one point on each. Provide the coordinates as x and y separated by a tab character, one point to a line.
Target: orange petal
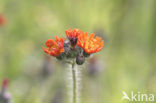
45	50
49	43
91	36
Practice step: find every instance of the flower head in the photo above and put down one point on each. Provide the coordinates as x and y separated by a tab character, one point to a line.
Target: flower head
73	35
54	48
5	83
5	96
89	43
2	20
78	45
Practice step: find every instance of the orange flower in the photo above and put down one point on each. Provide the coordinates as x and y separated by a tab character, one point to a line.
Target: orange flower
2	20
89	43
54	48
73	35
5	82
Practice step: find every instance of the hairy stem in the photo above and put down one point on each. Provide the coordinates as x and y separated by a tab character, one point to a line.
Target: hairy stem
74	82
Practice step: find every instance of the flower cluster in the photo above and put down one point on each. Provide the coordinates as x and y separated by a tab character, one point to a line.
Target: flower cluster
78	45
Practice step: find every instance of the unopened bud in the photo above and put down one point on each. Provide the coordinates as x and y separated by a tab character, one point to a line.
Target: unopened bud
73	41
67	46
80	59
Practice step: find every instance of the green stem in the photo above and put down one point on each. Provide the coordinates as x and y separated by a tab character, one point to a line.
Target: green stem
74	82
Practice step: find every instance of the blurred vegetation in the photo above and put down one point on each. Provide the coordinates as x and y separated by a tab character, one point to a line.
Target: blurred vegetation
127	62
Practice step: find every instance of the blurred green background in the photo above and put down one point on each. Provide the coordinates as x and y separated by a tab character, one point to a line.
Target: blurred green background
126	63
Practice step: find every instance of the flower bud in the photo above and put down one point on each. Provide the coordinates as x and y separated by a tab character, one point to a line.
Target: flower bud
66	46
73	41
5	96
80	59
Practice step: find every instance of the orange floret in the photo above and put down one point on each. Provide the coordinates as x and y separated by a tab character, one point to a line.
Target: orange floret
73	36
54	48
73	33
89	43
